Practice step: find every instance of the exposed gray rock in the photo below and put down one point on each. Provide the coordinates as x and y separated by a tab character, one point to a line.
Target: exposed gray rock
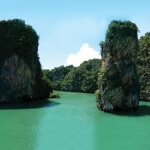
119	85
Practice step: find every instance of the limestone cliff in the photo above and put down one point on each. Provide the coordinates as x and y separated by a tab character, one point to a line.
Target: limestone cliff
118	83
20	70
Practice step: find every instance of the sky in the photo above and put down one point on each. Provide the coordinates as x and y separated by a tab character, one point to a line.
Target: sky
70	30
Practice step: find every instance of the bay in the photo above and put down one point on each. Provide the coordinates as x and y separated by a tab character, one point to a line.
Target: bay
72	123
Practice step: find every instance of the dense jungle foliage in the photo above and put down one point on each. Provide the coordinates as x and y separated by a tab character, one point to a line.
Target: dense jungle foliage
119	36
143	66
19	44
78	79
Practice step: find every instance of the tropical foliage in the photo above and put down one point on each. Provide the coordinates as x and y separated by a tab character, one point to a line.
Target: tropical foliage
78	79
144	66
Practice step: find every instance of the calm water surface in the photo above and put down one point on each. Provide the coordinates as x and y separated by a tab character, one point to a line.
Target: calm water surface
72	123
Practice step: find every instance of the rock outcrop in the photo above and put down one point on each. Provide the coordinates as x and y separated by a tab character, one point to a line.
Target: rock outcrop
21	76
118	83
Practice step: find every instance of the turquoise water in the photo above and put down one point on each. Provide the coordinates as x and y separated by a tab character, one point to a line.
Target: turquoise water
72	123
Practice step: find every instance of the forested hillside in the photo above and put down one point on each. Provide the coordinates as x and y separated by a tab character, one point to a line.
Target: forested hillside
78	79
144	66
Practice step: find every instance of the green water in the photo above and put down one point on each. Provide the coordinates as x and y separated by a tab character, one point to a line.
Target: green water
72	123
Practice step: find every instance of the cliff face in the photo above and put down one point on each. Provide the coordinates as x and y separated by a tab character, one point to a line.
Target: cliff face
118	84
20	70
16	79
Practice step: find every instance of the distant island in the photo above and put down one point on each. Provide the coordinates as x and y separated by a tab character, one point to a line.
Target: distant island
75	79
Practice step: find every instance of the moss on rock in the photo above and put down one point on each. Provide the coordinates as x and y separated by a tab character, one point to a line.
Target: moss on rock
118	83
21	76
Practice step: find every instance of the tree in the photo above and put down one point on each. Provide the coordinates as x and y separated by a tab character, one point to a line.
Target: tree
57	75
143	66
78	79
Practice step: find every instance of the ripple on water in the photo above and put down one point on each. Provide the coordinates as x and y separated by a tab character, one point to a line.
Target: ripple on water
73	122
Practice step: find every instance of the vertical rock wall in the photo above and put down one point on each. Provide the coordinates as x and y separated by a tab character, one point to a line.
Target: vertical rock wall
20	70
118	85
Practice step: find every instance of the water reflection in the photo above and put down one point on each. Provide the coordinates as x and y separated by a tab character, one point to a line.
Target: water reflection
20	124
143	110
29	105
123	130
76	124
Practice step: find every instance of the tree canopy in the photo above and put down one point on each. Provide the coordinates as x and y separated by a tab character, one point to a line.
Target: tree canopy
143	66
77	79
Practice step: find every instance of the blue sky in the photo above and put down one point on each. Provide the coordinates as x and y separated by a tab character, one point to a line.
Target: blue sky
70	30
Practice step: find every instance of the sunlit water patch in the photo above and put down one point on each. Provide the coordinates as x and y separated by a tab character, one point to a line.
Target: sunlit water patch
72	123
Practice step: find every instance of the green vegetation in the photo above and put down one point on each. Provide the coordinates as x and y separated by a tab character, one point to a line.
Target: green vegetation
57	75
21	75
118	81
143	66
78	79
54	95
120	36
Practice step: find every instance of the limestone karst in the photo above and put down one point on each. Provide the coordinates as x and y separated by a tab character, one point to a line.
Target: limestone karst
118	83
20	70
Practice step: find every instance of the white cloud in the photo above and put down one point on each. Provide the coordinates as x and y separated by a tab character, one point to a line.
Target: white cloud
85	53
65	36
